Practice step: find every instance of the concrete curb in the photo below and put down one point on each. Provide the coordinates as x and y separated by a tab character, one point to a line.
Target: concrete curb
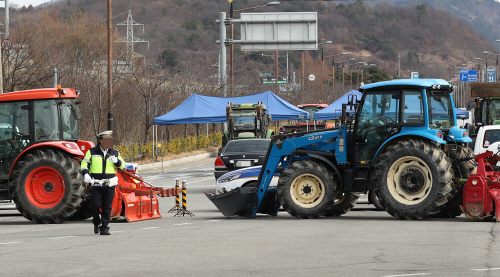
169	163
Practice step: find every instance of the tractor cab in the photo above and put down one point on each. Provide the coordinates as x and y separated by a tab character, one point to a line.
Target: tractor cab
399	108
27	118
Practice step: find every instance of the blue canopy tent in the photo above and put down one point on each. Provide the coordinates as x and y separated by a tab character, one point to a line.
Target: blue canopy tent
209	109
334	110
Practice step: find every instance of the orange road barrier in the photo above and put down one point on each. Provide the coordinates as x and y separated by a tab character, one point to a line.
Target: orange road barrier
184	205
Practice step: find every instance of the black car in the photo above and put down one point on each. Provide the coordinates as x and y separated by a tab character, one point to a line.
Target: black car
239	154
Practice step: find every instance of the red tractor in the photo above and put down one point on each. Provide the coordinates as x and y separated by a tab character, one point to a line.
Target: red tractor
39	153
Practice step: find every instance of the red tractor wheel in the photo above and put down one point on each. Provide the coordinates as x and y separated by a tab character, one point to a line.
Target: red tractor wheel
47	186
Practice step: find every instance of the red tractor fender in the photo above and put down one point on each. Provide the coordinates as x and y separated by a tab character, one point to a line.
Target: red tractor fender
67	146
85	145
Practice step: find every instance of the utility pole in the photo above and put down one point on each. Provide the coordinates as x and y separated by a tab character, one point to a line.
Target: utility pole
222	54
399	66
277	89
303	76
7	25
110	70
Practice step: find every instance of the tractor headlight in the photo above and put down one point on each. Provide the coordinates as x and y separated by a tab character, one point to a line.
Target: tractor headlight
228	178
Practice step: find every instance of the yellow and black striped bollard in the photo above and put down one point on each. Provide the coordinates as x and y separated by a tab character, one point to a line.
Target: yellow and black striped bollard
184	205
176	208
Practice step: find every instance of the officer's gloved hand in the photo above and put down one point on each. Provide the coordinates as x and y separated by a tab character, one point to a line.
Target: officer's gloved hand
88	179
113	159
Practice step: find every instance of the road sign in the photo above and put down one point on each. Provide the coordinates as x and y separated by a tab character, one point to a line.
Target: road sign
415	75
6	44
278	31
468	75
312	77
491	76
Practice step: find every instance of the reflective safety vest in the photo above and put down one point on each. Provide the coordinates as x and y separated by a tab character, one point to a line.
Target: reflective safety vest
97	164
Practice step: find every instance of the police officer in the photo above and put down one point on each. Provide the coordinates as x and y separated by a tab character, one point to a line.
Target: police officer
99	170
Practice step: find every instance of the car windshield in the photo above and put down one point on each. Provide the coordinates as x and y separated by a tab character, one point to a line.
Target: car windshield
247	146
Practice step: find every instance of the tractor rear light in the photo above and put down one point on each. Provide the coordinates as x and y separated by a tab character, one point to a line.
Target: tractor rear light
219	163
439	134
464	134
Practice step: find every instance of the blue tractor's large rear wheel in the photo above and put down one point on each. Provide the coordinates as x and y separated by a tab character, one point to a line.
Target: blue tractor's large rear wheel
414	179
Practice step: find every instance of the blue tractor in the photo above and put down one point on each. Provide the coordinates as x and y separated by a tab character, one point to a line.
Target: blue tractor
402	142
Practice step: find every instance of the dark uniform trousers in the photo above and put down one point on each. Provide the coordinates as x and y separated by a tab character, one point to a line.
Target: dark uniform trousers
107	194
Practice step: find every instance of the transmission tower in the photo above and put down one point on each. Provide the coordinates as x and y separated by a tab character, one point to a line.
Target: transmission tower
130	39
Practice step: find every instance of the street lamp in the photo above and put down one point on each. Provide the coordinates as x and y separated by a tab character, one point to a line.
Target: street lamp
351	60
322	48
333	69
358	66
496	70
478	59
362	69
231	46
486	52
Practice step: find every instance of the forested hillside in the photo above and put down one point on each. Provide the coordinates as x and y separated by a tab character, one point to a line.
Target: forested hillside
183	57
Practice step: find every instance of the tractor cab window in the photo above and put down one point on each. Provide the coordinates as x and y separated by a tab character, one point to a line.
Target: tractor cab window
69	117
378	120
440	110
413	111
46	120
491	112
245	123
14	133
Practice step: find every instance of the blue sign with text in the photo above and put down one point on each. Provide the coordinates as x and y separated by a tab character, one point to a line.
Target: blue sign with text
468	75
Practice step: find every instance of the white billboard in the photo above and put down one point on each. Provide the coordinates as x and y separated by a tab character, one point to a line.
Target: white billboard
279	31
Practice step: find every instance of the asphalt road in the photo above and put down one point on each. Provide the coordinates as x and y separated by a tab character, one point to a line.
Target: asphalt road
363	242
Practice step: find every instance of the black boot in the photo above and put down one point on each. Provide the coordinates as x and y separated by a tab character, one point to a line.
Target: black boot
96	229
105	232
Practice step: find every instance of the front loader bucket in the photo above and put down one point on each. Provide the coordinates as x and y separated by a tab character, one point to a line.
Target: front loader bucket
240	201
236	202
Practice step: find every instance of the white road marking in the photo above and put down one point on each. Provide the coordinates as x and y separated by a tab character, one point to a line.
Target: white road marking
153	178
147	228
64	237
12	242
116	232
214	220
415	274
183	224
184	168
199	181
486	269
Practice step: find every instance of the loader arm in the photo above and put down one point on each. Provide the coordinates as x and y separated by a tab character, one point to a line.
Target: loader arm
285	145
